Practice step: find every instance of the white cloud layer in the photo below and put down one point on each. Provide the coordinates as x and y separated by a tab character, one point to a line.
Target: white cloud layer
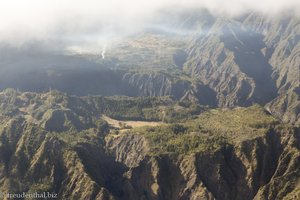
23	20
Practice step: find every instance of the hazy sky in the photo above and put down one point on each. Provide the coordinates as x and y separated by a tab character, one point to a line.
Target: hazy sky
23	20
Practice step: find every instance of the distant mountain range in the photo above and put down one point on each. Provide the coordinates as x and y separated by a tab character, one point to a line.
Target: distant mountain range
214	60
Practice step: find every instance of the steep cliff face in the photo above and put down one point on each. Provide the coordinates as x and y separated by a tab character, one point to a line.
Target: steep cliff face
282	52
265	167
58	143
107	82
250	169
152	84
244	60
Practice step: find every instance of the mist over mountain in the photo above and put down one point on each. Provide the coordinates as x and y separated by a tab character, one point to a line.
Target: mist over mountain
99	22
156	100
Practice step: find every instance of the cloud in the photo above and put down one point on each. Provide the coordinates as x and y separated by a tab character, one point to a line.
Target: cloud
100	20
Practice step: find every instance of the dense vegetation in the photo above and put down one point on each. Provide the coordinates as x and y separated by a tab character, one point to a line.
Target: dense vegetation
209	131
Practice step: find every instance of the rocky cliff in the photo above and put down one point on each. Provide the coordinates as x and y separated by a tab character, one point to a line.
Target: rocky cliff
241	153
253	58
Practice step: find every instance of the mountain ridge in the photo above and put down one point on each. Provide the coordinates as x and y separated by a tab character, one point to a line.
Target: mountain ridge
240	153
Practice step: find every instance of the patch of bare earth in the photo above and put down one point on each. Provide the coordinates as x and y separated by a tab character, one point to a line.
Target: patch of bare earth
123	125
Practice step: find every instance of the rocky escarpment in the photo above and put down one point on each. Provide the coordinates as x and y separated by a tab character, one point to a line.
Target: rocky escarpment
93	80
251	169
161	84
59	143
33	160
265	167
244	60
